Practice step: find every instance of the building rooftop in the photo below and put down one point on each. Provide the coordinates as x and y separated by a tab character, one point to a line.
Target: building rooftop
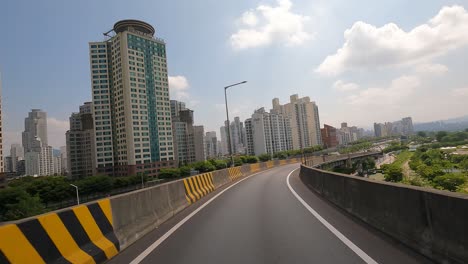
137	25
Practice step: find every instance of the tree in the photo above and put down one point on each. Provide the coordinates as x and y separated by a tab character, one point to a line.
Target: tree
393	173
16	203
422	134
449	181
264	157
203	166
440	135
464	165
169	173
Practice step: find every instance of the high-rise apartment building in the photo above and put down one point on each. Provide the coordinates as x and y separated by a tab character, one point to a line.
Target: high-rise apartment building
267	133
39	159
182	127
63	156
305	122
16	154
132	113
8	164
237	136
223	142
249	137
402	127
37	153
329	136
176	107
80	148
199	143
35	126
211	145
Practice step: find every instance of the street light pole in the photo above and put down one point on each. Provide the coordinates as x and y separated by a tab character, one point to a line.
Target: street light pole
228	122
77	194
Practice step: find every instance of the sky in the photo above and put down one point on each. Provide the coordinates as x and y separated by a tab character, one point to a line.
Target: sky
360	61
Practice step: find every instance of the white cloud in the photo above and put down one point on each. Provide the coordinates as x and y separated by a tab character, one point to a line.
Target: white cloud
400	89
267	24
178	87
345	87
429	68
249	18
460	92
367	46
56	131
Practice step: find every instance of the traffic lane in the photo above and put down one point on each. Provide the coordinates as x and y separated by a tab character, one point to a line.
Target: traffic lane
256	221
133	250
381	247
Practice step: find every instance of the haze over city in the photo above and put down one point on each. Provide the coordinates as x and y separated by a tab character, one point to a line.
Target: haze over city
350	58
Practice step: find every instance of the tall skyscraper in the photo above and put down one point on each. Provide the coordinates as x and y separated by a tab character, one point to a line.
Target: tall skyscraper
305	122
268	133
35	126
211	145
176	107
80	148
64	161
182	127
37	153
131	101
199	142
16	154
39	159
223	142
237	136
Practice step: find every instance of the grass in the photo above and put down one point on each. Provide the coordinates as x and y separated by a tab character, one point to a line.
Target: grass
403	157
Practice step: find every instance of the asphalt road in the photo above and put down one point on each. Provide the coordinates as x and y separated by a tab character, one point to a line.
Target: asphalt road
259	220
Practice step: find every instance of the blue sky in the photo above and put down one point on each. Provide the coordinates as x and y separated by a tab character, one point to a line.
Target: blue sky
394	60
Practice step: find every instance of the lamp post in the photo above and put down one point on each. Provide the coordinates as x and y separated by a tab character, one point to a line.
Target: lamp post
228	123
77	194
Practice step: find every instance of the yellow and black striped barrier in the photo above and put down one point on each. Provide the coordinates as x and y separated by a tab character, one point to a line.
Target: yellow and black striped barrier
198	186
234	173
82	234
254	167
270	164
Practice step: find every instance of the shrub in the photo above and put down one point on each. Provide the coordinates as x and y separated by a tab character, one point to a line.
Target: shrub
264	157
392	173
449	181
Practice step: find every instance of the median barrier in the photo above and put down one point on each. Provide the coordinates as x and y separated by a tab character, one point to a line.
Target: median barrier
432	222
138	212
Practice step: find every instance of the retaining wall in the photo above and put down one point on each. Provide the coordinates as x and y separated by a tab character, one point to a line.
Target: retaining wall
431	222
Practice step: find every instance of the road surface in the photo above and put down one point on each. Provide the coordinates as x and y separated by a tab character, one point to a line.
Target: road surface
260	220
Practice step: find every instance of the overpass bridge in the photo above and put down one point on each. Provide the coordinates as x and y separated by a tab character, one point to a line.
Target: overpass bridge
273	212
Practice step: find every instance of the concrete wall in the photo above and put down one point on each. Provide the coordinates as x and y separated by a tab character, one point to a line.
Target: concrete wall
432	222
139	212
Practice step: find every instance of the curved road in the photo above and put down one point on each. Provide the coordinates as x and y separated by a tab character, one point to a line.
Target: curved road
260	220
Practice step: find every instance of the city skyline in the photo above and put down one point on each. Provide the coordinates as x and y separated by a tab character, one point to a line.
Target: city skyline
303	62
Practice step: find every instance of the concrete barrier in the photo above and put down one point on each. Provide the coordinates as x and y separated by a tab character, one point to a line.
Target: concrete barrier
431	222
220	178
198	186
80	234
138	212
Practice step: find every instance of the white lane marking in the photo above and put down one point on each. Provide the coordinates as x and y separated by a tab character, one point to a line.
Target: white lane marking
158	242
332	229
